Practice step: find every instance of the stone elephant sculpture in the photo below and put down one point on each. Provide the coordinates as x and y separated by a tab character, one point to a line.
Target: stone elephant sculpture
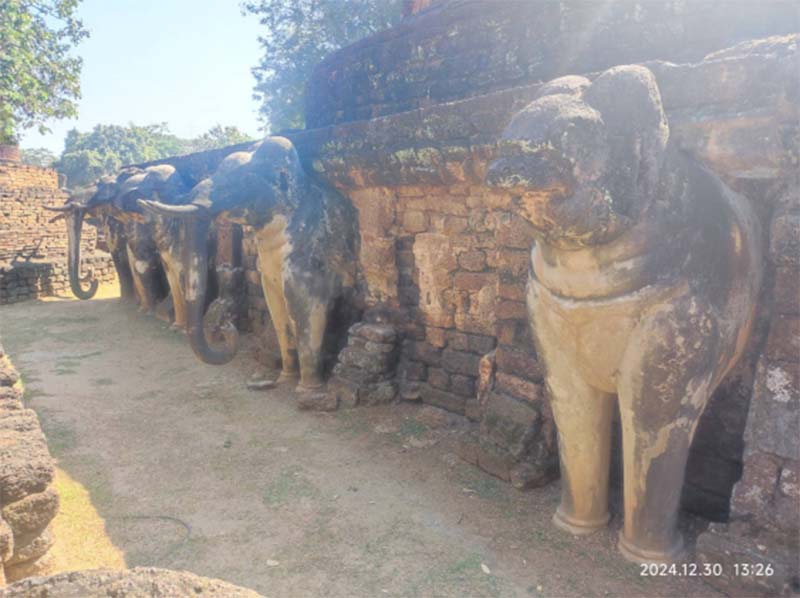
643	286
161	240
306	239
152	244
79	206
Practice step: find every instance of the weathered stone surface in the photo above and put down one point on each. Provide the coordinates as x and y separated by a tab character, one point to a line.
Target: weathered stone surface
6	542
463	385
435	259
140	582
737	545
785	239
518	387
344	391
524	42
774	411
8	374
519	363
33	513
30	547
443	399
460	363
25	463
787	290
375	333
783	343
378	394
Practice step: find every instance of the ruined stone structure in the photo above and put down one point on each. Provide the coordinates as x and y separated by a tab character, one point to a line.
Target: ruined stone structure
33	250
406	124
28	500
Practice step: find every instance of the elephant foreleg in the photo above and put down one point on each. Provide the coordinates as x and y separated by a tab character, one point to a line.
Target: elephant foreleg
271	263
310	315
664	384
143	273
583	417
176	290
126	290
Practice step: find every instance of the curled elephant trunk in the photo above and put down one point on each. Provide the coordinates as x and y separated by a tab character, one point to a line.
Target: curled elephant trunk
74	226
196	285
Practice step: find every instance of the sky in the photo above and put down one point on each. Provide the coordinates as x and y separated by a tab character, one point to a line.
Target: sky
183	62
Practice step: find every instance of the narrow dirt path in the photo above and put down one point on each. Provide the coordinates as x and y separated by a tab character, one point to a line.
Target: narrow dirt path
190	470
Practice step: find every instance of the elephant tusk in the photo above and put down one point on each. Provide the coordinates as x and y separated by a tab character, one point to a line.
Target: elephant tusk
161	209
60	208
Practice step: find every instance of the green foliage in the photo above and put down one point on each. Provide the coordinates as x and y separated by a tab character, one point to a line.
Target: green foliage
106	148
38	156
39	78
217	136
298	34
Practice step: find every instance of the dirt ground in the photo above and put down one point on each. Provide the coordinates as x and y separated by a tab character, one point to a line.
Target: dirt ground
164	461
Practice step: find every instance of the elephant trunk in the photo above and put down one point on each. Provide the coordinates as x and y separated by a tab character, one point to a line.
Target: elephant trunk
196	285
74	226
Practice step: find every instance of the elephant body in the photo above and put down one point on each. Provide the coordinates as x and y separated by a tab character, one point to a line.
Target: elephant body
642	291
305	235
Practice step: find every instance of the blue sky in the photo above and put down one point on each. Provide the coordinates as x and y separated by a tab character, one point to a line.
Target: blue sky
183	62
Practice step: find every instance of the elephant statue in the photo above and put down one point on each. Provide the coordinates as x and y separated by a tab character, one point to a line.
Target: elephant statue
306	239
77	208
161	239
151	244
642	289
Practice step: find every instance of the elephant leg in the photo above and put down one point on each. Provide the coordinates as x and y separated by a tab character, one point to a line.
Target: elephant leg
272	283
145	280
136	279
178	299
665	381
310	315
583	418
126	290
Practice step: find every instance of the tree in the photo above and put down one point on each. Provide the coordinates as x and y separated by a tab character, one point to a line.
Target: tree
88	156
217	136
38	156
106	148
39	78
298	35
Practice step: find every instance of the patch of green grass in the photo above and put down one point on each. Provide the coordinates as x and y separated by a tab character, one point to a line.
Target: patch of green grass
485	487
412	428
290	485
64	371
102	381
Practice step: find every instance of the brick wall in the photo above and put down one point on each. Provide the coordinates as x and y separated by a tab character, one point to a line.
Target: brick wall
33	250
25	228
31	280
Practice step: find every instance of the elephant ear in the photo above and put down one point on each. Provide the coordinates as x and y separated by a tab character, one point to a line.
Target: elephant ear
629	101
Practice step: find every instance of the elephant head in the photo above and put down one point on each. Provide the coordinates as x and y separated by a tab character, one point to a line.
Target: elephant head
82	201
583	159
